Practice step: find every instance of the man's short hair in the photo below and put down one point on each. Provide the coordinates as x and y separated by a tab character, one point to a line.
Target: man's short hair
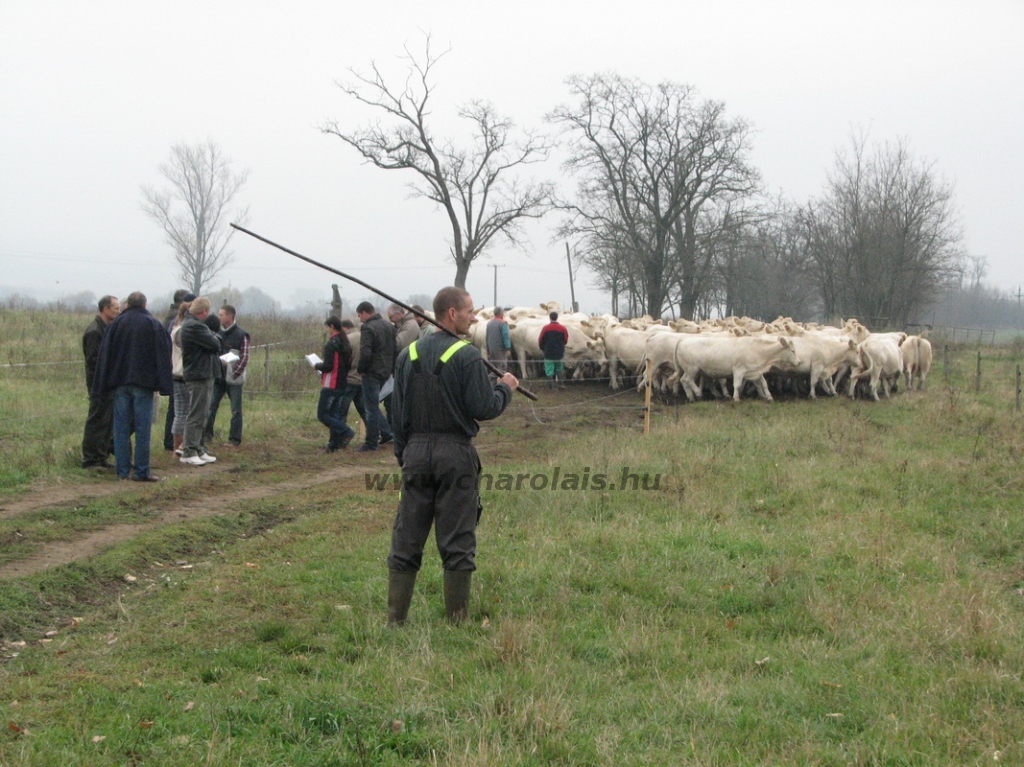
499	312
200	305
448	298
365	308
553	316
333	322
179	295
396	309
348	324
106	301
136	300
229	309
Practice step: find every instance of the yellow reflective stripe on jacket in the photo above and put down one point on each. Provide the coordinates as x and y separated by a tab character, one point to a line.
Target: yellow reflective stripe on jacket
452	349
415	355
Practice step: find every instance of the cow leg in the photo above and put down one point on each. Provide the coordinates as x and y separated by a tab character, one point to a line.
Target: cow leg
690	387
762	388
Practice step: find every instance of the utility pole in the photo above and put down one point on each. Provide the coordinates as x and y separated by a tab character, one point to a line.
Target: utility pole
495	268
572	289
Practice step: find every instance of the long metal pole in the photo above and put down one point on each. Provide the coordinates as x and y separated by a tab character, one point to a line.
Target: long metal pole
525	392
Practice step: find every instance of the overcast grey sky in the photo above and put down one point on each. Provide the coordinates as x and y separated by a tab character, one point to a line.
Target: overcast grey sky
94	95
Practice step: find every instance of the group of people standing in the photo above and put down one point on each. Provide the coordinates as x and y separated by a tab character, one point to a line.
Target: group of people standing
440	393
130	357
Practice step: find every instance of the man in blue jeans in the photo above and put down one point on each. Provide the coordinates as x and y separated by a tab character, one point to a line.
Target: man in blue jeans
135	362
376	363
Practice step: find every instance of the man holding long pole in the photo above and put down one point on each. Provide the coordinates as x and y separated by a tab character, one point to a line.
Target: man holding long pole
441	390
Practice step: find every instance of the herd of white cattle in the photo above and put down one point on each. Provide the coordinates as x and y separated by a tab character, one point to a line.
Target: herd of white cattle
699	357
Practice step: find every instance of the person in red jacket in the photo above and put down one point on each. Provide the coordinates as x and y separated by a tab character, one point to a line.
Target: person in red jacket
334	370
552	341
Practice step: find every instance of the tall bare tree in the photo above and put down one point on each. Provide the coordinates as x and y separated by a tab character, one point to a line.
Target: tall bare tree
474	185
660	175
194	210
885	236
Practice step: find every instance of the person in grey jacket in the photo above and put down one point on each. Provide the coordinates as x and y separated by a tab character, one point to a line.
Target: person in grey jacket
200	362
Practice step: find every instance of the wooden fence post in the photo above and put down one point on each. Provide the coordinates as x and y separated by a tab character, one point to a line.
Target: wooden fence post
647	399
945	360
977	375
1018	388
266	368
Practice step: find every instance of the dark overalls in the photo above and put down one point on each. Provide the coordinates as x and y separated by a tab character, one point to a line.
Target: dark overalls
440	477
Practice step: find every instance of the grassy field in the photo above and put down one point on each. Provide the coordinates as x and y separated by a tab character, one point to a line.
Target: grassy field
809	583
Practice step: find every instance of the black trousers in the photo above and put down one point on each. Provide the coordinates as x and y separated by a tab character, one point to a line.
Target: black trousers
98	437
168	423
440	487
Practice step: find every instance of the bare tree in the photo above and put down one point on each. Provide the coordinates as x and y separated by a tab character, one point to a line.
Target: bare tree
194	210
471	184
661	176
884	236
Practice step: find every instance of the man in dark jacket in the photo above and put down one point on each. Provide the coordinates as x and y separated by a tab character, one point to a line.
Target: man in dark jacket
334	369
552	341
376	362
200	350
98	439
134	362
442	389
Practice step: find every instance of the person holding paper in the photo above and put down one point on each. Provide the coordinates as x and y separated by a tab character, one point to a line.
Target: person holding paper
334	369
236	344
200	349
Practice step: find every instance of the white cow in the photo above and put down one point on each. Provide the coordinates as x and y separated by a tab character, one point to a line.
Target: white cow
917	361
745	358
623	346
660	351
821	355
880	361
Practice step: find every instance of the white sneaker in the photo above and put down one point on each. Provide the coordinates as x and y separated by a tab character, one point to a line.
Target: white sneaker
193	460
207	458
179	452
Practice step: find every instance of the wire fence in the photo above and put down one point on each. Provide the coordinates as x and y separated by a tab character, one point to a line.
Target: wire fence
280	370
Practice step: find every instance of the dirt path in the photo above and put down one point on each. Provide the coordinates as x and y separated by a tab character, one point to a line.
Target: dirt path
63	552
494	446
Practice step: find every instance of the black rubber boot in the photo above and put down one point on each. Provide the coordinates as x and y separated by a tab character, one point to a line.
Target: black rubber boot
400	588
456	594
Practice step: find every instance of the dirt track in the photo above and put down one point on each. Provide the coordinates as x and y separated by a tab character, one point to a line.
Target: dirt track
56	496
565	413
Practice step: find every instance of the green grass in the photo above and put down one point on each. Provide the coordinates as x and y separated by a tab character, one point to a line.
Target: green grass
813	583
